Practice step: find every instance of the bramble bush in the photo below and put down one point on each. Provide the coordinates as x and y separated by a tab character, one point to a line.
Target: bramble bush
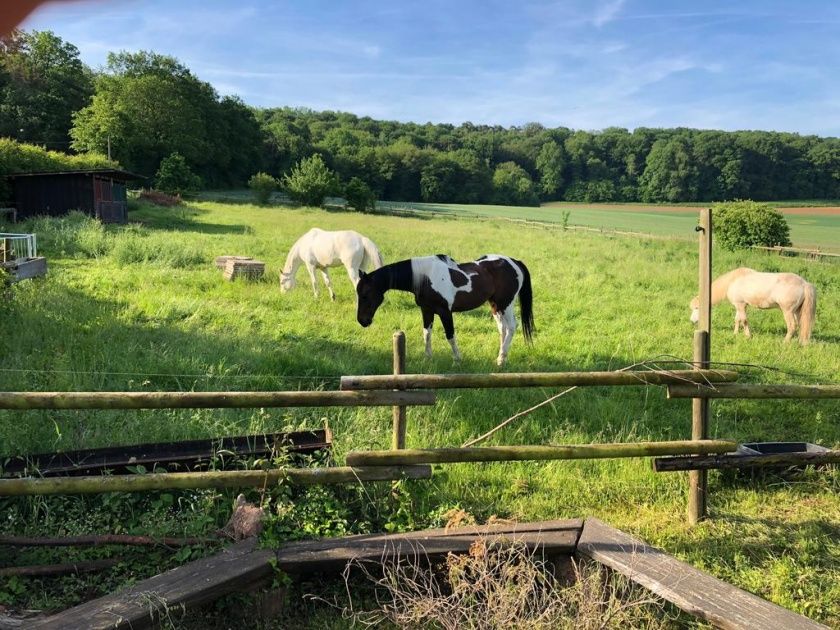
742	224
310	181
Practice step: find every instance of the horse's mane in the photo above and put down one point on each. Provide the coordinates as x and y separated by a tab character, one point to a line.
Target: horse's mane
721	283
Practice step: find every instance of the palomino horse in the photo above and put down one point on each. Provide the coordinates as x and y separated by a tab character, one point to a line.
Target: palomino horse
319	249
796	298
442	287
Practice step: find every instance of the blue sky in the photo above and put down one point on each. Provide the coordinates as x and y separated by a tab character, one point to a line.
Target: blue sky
582	64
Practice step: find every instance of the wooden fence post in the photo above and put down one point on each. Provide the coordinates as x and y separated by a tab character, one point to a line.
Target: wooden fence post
398	436
698	479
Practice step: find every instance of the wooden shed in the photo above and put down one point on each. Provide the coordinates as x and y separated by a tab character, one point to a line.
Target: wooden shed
100	193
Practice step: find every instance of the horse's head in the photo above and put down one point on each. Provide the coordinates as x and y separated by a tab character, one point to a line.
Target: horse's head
368	298
695	309
287	281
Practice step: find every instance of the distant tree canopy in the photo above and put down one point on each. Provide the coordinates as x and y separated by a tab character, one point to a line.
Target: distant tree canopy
42	83
151	105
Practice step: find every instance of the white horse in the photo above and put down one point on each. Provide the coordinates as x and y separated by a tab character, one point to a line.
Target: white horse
796	298
319	249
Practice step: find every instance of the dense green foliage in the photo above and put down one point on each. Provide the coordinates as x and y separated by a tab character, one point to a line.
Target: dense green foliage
742	224
359	195
175	177
42	84
150	105
310	181
262	185
142	307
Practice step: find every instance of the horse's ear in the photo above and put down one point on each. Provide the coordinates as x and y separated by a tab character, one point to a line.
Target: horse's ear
362	274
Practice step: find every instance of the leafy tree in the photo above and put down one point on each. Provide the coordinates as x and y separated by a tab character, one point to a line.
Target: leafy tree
513	186
550	164
310	181
174	176
262	185
741	224
42	83
670	172
151	105
359	195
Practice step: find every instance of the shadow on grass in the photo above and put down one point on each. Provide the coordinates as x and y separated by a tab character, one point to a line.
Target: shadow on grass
182	219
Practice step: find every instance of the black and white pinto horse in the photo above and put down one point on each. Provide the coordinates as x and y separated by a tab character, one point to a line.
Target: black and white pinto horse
442	287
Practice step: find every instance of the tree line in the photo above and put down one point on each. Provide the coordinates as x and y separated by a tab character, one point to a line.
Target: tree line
148	106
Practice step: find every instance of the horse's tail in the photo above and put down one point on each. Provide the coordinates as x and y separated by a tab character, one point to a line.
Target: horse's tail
372	255
807	312
526	306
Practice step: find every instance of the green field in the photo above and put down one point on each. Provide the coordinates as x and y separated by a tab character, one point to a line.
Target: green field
142	307
805	230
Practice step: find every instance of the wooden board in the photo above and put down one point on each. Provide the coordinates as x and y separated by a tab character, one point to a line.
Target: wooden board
250	269
141	605
242	565
221	261
29	268
182	456
690	589
549	537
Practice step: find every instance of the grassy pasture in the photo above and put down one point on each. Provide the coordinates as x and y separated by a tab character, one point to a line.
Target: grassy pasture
142	307
816	229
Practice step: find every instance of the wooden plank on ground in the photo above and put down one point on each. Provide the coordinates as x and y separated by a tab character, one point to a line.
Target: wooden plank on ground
688	588
150	600
548	537
240	566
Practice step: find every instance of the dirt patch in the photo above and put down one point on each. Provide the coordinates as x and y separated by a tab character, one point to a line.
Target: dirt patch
823	211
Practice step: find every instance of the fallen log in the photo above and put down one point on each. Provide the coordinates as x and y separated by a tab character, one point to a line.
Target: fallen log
50	570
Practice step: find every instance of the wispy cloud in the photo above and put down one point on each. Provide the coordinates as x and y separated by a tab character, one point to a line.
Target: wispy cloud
607	12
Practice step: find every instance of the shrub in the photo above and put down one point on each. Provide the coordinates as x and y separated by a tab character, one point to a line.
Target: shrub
741	224
74	235
360	196
310	181
262	185
174	176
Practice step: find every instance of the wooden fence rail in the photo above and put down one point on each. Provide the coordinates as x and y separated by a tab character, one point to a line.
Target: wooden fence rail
214	400
535	379
725	462
747	390
213	479
520	453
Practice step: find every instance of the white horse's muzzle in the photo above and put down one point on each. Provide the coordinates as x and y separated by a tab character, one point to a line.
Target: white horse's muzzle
695	315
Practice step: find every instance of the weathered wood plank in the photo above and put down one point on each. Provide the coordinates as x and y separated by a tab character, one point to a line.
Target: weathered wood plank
149	601
750	390
550	537
534	379
710	462
688	588
183	455
211	400
243	564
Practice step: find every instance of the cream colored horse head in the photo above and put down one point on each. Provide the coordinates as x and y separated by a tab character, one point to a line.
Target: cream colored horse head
695	309
287	281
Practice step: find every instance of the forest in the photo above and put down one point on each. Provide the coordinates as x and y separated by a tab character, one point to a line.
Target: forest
144	106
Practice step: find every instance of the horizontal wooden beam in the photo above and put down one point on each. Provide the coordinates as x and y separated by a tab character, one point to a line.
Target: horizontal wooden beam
216	479
710	462
749	390
209	400
520	453
535	379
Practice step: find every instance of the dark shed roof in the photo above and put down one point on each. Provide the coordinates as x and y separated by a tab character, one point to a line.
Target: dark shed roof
115	173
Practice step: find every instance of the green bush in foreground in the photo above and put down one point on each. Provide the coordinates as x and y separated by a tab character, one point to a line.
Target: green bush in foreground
742	224
262	185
